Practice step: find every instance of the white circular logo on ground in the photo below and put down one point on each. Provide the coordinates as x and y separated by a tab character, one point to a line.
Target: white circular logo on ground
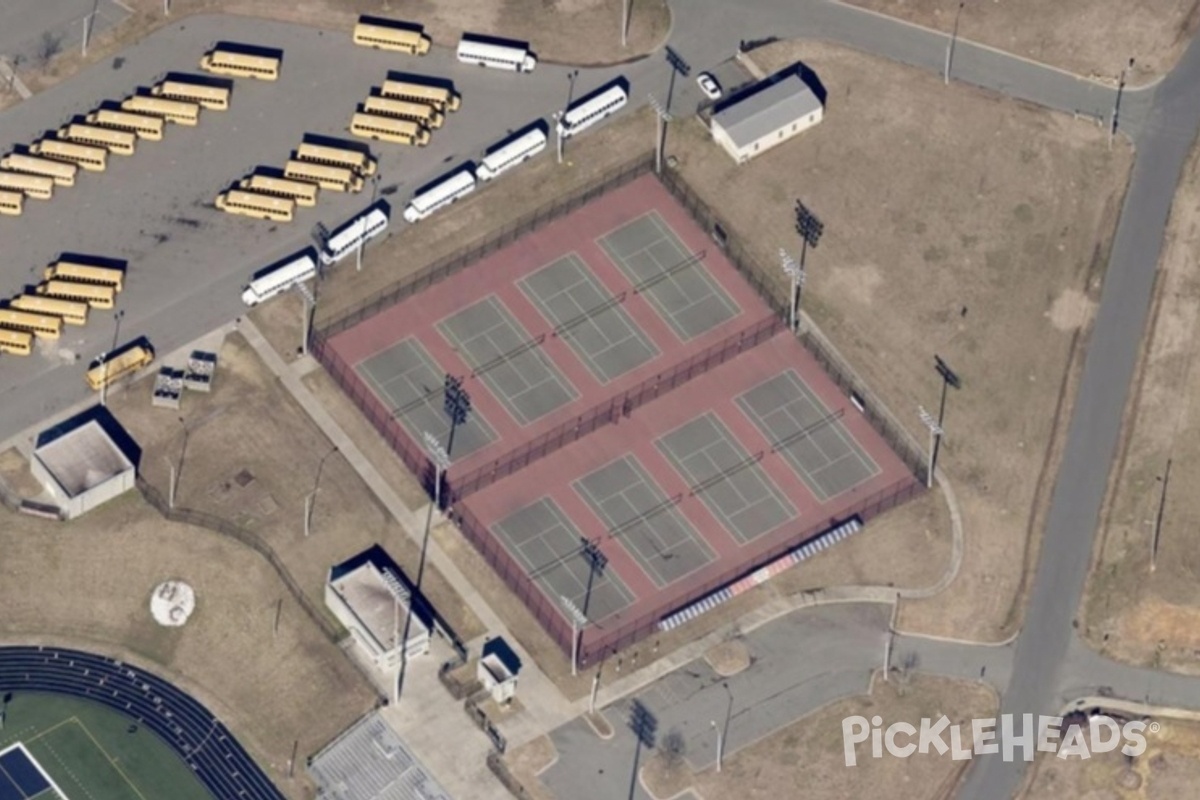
172	603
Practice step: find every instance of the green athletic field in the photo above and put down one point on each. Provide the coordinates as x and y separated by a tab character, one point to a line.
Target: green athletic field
92	753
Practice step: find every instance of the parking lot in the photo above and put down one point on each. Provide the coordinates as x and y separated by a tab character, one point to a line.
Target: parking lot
187	261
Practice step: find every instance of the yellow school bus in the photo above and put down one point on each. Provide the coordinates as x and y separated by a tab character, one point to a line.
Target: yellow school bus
145	126
337	157
111	139
177	111
423	113
95	296
259	206
17	343
86	273
38	186
61	172
439	97
42	326
389	129
214	97
112	369
337	179
11	203
240	65
371	32
71	311
93	159
303	192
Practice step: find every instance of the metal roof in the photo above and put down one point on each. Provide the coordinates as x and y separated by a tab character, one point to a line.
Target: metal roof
767	110
83	458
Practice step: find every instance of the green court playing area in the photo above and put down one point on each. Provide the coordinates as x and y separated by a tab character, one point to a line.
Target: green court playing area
87	752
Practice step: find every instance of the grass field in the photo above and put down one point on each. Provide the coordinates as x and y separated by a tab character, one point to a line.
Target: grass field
92	753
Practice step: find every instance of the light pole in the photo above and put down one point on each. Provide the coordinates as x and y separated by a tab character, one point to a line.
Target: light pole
720	743
104	357
678	67
362	238
457	405
441	462
311	497
796	274
935	432
309	308
660	132
578	620
177	474
950	45
558	137
624	21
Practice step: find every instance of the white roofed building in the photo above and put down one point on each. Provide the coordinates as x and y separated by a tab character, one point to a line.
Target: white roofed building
767	117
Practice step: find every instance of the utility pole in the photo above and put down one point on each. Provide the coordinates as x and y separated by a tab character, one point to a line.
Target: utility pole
624	22
660	132
87	24
1116	112
950	45
1158	518
935	432
104	357
796	274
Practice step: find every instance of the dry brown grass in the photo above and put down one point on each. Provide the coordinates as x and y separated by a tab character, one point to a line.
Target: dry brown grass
252	456
87	583
995	270
768	768
1169	769
581	32
1083	36
1131	613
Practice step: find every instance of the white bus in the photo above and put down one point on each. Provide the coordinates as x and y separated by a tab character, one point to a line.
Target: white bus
516	59
522	148
345	239
279	280
589	112
439	195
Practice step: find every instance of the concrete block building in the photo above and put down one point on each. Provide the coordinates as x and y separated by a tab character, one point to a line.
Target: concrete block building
82	466
370	596
769	115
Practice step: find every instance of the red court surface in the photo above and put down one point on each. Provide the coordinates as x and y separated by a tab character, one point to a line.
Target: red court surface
497	275
828	467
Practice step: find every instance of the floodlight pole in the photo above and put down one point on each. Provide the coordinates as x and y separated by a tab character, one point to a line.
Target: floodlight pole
558	137
104	384
660	132
578	620
950	45
720	743
87	24
796	273
595	690
624	22
935	433
441	462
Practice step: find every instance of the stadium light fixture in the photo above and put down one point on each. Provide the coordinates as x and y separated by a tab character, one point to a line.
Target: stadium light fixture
796	274
935	433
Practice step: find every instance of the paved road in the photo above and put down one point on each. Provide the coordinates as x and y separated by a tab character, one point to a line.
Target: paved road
25	23
1095	426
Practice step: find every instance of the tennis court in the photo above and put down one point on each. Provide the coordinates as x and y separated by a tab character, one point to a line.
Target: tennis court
671	277
550	549
411	385
588	318
641	515
507	359
727	478
808	434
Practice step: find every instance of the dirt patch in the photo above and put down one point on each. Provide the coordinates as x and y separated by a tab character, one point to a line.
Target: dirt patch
1131	612
1071	310
728	658
767	768
1025	205
1094	39
250	455
16	475
87	583
584	32
528	761
1170	768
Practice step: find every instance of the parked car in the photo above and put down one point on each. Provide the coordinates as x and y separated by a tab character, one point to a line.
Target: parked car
709	85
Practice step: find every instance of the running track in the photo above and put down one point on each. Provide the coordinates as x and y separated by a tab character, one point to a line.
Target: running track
188	728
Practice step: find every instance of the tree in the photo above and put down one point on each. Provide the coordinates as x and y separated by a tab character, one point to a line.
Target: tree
49	46
673	748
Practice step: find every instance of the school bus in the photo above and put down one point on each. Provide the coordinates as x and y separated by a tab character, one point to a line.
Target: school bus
337	157
176	111
43	326
389	129
72	313
439	97
95	296
38	186
423	113
240	65
112	140
303	192
61	172
93	159
214	97
11	203
112	369
86	273
259	206
143	125
338	179
17	343
371	33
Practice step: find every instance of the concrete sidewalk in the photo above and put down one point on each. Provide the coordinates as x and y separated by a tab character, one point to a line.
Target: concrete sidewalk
546	708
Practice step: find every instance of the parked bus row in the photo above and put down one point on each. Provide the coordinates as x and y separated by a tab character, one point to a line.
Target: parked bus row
403	112
313	167
69	290
54	161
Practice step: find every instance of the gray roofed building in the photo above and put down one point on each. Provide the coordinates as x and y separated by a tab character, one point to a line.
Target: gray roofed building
767	117
82	465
